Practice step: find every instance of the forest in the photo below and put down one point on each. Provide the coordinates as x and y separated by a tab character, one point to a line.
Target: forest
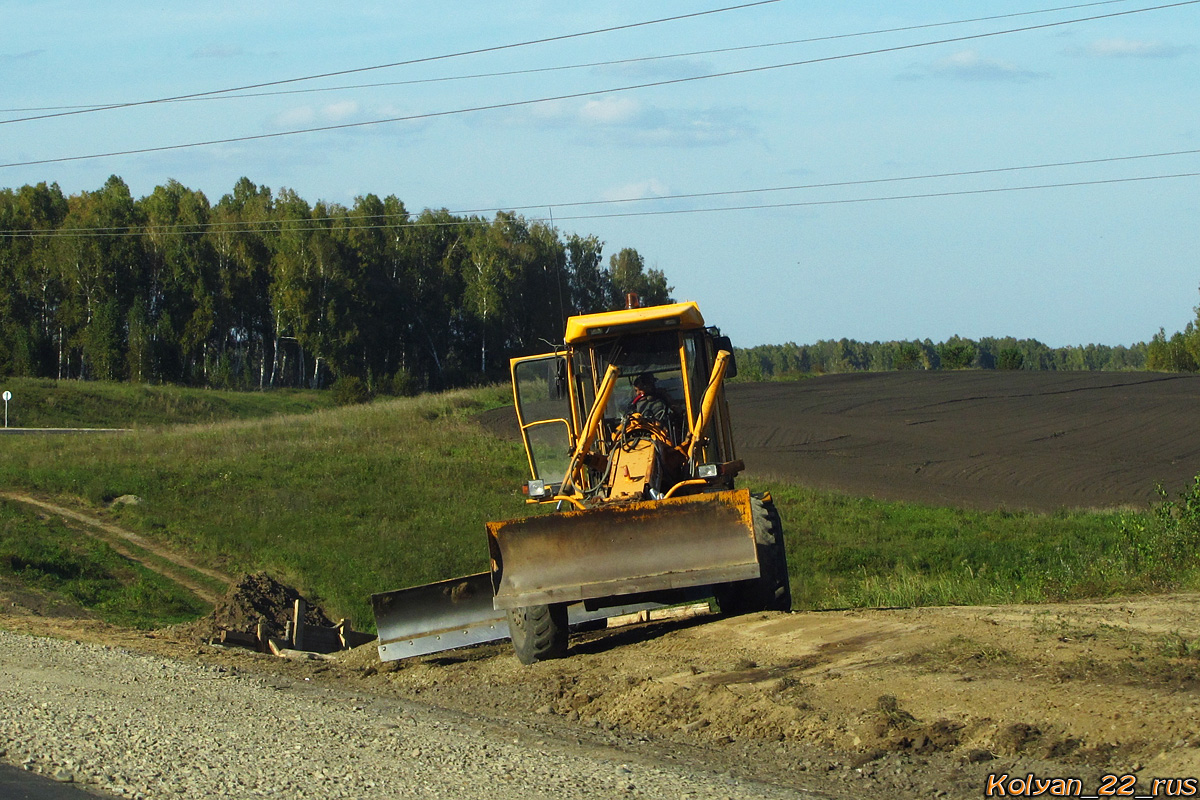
265	289
1179	352
790	361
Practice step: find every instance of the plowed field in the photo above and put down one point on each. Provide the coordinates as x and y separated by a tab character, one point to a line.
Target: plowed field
981	439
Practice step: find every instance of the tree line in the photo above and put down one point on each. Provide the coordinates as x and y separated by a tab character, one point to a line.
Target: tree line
266	289
1179	352
782	362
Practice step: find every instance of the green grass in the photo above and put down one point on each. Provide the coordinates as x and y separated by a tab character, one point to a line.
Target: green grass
346	502
47	557
42	403
341	503
853	552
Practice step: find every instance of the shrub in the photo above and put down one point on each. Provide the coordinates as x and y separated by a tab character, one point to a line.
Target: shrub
402	384
349	391
1164	544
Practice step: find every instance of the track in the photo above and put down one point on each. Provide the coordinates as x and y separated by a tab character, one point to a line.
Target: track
132	546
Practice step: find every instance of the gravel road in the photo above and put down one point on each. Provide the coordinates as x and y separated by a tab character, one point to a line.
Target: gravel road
142	726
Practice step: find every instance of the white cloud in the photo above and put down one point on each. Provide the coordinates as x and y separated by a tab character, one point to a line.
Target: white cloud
671	127
551	110
303	116
295	117
624	121
968	65
335	112
1131	48
610	111
651	187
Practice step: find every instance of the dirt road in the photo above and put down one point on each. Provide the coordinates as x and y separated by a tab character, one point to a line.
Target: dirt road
131	545
908	702
883	700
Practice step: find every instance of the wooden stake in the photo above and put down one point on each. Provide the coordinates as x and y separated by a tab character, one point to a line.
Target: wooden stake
298	624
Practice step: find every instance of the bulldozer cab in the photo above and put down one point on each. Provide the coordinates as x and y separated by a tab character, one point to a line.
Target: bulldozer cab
652	356
591	379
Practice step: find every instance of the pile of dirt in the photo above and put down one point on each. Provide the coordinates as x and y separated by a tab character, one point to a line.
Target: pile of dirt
253	597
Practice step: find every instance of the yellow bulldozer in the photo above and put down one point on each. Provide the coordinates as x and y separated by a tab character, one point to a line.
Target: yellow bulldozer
628	435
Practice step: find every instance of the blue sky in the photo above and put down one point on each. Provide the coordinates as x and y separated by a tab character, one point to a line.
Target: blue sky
1106	263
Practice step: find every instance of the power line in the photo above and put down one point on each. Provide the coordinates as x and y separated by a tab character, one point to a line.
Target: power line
849	201
241	224
306	226
578	95
863	182
409	62
724	192
561	68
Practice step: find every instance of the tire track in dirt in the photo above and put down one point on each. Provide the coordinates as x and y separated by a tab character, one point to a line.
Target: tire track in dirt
944	696
119	538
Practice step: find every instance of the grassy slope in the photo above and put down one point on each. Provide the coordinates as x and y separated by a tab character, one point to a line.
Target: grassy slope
347	502
41	403
342	503
45	556
848	551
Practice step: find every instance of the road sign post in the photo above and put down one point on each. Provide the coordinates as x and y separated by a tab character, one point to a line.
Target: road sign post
7	397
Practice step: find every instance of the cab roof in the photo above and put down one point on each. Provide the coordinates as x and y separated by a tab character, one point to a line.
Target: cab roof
676	316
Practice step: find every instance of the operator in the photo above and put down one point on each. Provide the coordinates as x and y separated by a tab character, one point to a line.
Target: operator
649	400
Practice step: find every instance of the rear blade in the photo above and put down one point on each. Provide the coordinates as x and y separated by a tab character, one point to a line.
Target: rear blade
455	613
437	616
623	549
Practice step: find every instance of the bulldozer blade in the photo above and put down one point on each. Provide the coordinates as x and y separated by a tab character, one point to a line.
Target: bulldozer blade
623	549
437	616
456	613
